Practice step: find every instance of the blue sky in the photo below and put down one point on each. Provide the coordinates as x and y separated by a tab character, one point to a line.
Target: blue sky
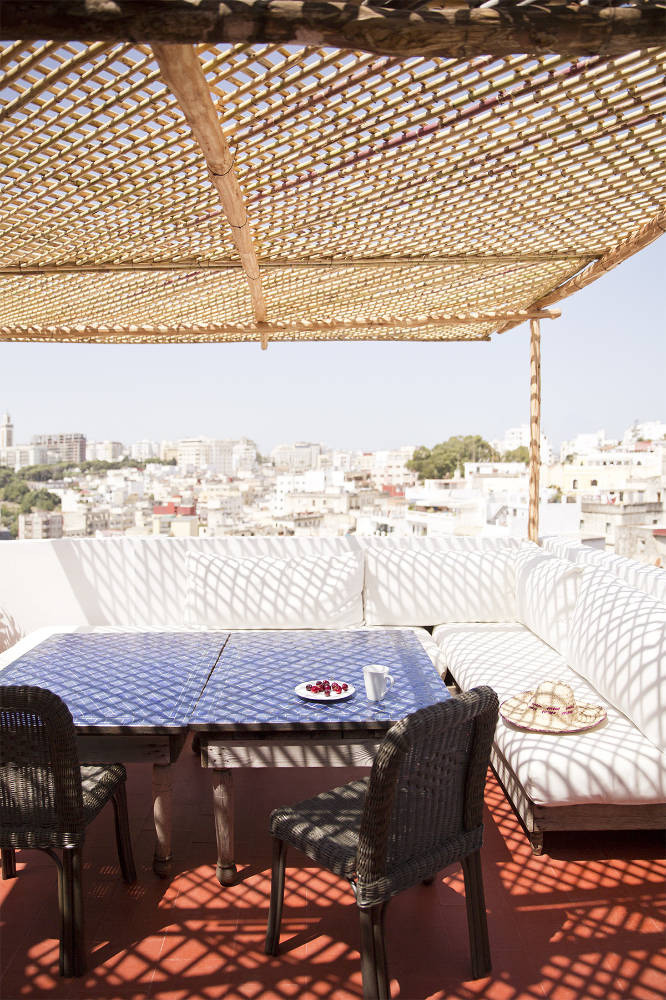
603	366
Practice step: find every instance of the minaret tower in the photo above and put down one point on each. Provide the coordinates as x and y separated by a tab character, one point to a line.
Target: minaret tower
6	431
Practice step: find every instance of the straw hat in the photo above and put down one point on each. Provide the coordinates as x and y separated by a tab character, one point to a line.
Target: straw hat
552	708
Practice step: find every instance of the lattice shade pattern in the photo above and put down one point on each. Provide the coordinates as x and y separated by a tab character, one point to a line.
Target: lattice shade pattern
378	189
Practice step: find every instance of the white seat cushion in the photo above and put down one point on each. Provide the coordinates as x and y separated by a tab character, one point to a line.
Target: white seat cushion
546	591
403	587
618	642
263	593
613	763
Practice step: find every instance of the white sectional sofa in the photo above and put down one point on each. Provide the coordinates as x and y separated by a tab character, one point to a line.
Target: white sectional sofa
500	613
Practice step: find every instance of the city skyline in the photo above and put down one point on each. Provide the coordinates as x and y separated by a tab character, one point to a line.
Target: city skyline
602	367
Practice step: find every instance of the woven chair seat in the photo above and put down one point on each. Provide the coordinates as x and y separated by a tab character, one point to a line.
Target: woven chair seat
98	785
325	827
47	800
418	812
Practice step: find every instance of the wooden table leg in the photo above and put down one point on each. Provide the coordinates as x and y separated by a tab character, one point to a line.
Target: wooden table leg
223	814
162	782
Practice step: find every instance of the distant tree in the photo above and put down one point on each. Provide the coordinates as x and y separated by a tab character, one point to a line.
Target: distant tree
39	500
6	476
521	454
15	491
9	519
441	461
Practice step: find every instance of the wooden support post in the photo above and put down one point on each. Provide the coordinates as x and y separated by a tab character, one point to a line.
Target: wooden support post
162	859
535	429
223	814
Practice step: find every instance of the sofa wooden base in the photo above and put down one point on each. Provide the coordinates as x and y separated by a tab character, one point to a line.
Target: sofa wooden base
540	819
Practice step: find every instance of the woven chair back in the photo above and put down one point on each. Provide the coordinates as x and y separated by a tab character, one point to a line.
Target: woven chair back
41	802
424	804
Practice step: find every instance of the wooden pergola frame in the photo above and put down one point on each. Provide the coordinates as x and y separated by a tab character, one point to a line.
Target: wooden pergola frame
464	31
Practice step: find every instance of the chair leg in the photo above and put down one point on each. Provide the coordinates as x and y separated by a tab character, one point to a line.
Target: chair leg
368	954
477	923
73	957
277	896
8	862
123	839
381	967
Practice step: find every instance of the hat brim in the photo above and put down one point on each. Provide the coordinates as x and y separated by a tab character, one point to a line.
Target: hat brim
518	712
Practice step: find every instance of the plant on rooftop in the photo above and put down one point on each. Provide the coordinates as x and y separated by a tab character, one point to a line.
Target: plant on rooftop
442	460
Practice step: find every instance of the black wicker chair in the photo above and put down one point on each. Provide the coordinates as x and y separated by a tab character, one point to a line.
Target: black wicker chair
47	800
419	811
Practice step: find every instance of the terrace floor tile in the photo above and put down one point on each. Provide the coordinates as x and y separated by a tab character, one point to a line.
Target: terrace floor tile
584	920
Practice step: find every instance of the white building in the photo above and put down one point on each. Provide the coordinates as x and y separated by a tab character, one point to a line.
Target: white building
21	455
193	454
296	457
519	437
142	450
244	456
221	456
104	451
650	430
389	468
434	508
583	444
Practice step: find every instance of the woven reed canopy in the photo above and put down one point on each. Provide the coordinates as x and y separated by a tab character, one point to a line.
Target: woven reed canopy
432	186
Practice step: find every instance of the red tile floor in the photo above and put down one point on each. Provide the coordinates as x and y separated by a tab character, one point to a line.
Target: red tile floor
584	921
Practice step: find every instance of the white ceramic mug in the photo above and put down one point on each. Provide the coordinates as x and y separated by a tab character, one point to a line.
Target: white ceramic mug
377	681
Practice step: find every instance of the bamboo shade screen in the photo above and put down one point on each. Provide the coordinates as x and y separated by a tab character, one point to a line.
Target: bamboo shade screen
390	198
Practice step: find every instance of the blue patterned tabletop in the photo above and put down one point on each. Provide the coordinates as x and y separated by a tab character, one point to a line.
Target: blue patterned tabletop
252	686
148	681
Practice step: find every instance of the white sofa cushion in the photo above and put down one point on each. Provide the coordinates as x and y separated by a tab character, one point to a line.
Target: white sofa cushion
311	592
613	763
546	591
618	641
404	587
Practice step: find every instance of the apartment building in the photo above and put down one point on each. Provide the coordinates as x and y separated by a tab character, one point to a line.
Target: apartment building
41	524
296	457
67	447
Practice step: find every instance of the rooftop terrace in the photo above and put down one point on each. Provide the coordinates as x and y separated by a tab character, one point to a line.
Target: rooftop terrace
584	920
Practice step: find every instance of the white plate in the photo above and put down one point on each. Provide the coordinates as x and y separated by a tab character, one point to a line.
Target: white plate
333	696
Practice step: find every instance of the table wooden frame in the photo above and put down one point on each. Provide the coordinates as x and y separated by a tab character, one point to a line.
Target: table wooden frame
222	752
159	749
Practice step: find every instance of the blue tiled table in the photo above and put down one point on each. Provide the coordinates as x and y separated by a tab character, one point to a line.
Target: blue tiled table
250	716
131	696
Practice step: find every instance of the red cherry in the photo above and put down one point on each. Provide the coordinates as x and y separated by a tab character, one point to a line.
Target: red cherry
345	687
308	687
327	692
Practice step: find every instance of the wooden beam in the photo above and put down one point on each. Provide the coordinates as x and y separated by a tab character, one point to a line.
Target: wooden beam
647	234
253	331
182	72
643	237
454	30
330	263
535	430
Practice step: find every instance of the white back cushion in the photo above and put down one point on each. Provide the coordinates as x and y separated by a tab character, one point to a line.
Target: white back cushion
265	592
546	591
650	579
403	587
618	642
